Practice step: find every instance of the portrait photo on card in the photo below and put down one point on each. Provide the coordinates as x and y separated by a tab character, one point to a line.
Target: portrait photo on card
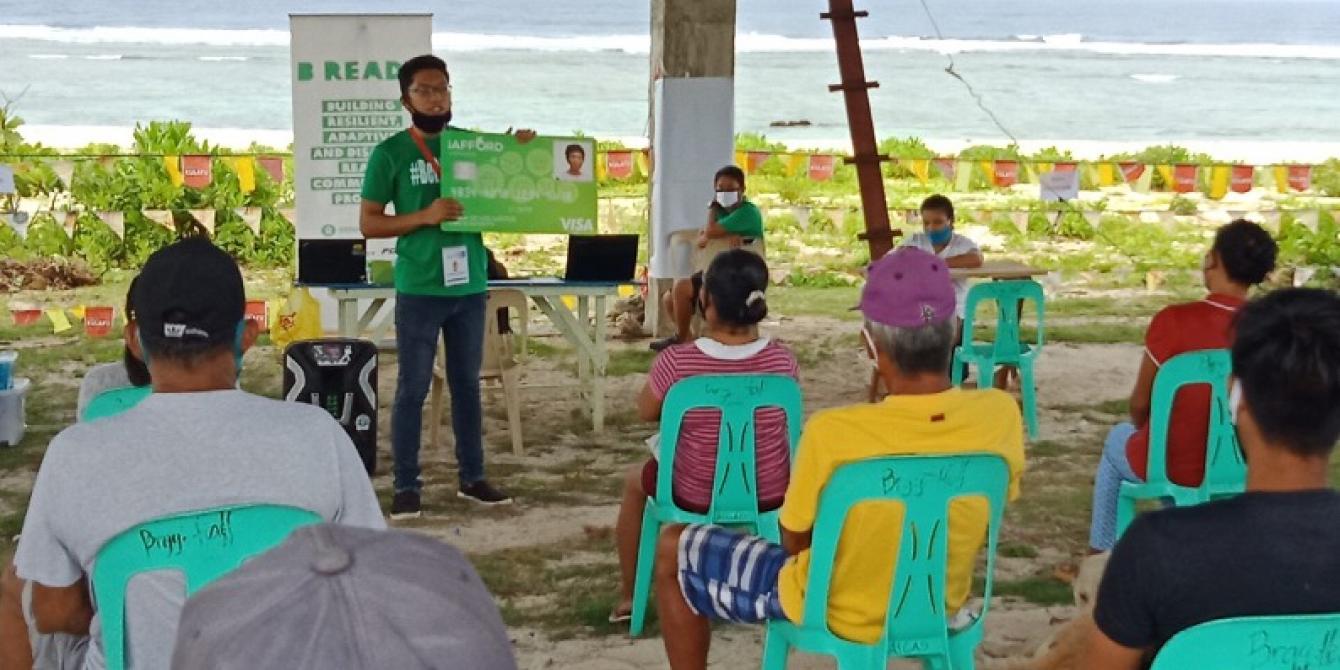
573	160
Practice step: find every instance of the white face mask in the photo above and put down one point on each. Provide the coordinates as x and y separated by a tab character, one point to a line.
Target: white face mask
1235	402
728	199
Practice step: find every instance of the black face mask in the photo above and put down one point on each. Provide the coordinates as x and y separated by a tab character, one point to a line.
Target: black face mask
430	123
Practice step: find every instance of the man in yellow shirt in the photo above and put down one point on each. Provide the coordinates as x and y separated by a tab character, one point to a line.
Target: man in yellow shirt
708	573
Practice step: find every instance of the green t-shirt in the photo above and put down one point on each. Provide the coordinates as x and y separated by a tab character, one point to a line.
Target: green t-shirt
745	221
397	173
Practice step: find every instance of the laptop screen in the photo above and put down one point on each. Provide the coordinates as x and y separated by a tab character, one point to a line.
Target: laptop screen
602	258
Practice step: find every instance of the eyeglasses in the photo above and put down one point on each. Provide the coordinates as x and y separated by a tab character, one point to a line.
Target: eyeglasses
431	91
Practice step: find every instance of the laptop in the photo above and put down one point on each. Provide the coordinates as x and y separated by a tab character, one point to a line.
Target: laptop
601	258
332	261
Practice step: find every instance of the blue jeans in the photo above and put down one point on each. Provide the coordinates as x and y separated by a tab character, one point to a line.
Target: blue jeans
419	321
1113	469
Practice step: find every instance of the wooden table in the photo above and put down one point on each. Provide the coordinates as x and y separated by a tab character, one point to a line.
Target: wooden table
583	325
997	269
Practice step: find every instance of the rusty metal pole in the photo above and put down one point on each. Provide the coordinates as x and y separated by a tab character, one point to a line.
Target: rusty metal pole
865	148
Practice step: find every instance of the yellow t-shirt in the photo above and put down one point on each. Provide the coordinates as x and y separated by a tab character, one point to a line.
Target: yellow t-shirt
953	421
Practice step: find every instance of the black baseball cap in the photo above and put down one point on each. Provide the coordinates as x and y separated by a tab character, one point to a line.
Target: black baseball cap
190	290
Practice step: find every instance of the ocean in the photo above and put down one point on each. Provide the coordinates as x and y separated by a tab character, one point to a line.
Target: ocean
1096	70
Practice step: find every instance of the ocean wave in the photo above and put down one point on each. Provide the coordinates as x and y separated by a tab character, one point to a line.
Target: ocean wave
640	43
1155	78
219	59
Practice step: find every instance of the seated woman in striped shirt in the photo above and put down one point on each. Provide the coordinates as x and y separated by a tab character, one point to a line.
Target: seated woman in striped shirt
732	302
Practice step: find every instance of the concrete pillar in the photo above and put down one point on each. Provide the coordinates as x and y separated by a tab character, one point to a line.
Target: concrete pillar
692	63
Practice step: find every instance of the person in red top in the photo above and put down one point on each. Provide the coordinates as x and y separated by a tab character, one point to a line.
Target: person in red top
733	302
1242	255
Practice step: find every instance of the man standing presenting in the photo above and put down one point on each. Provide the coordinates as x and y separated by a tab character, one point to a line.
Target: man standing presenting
441	281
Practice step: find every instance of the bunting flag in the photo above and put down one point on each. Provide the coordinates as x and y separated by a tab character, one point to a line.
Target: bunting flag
1184	177
114	220
962	175
18	221
69	220
257	311
98	320
740	159
197	171
755	160
173	166
1242	179
919	167
1107	174
78	311
251	216
1005	173
1219	177
1295	177
245	168
1020	220
643	159
619	164
59	321
946	167
7	186
1271	218
838	217
30	206
796	163
1167	218
1308	219
64	172
273	166
989	169
1094	219
602	166
1166	171
822	166
161	217
1065	166
1131	171
289	215
205	217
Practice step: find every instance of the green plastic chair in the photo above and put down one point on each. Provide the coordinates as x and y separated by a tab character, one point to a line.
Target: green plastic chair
203	546
734	485
1225	467
114	401
1287	642
1007	347
917	624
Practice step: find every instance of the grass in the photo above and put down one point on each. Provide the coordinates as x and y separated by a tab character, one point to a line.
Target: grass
567	589
626	362
833	302
1045	591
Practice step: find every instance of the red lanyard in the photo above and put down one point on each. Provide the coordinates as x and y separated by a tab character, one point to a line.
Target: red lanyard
423	149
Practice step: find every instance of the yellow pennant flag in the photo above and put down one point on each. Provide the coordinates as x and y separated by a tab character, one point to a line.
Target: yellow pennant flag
1219	175
1107	174
920	168
1166	171
602	165
963	176
989	167
245	168
59	322
173	166
78	311
741	157
643	163
1281	173
796	164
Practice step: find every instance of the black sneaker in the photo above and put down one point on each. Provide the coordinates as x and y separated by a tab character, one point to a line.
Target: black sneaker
481	492
405	505
661	345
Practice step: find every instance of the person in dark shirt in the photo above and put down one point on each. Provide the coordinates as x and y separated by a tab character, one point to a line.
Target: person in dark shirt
1273	550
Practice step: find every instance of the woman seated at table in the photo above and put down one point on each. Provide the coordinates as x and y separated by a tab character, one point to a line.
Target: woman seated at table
732	302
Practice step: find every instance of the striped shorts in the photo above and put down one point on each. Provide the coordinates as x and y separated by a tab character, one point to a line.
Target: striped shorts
729	576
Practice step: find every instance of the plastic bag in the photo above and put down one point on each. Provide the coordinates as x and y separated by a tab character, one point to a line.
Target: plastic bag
299	318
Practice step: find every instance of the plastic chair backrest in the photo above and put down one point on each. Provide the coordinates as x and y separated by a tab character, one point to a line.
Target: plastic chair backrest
1287	642
734	485
203	546
1225	468
916	623
1007	295
114	401
499	351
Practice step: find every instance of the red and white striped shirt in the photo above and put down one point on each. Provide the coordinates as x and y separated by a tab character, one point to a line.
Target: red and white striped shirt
696	454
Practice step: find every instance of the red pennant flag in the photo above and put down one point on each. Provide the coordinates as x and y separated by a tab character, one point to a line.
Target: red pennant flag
274	166
1241	179
98	321
619	164
1300	177
1006	173
1131	171
197	171
1184	178
821	167
947	167
755	160
257	311
1065	166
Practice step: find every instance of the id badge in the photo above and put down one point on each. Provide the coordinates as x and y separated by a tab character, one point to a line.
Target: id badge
455	266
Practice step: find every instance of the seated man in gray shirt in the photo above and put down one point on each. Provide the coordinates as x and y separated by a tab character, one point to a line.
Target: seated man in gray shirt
196	443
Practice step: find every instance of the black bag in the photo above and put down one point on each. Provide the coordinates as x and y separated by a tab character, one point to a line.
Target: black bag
339	376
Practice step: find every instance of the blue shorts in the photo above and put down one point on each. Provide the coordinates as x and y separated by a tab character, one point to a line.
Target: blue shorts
730	576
